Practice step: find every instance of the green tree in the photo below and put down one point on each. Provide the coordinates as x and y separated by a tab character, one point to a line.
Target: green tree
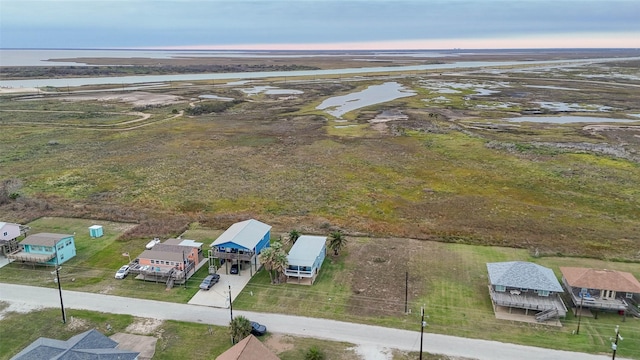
294	235
337	241
280	263
239	328
266	259
314	353
274	260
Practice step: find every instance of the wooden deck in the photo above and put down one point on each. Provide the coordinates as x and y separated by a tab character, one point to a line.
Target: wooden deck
528	301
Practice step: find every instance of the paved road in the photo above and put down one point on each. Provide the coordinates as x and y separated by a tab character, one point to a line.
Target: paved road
294	325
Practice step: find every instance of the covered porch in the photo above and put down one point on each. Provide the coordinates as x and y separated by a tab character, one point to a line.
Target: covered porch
528	301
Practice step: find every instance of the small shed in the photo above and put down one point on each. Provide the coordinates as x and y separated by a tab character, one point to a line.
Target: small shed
95	231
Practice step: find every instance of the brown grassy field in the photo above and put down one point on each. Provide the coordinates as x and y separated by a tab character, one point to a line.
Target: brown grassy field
451	171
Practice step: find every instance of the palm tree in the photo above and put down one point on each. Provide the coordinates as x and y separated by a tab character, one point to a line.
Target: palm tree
266	259
337	241
293	236
280	263
239	328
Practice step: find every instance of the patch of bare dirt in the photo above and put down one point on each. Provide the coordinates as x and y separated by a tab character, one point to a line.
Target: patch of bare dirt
279	343
76	323
379	284
144	326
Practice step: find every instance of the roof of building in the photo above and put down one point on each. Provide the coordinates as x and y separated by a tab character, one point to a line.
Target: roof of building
524	275
249	348
3	223
171	248
183	242
162	255
600	279
246	233
44	239
306	249
89	345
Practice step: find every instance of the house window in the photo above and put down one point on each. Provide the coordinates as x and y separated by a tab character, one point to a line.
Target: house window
5	233
501	288
61	256
629	295
153	261
543	292
68	242
60	246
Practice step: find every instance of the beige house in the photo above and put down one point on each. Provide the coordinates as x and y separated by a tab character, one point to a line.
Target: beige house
602	289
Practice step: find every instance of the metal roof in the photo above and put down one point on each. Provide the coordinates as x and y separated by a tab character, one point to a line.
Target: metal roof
44	239
306	249
246	234
524	275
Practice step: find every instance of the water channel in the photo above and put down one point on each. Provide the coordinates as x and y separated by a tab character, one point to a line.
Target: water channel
138	79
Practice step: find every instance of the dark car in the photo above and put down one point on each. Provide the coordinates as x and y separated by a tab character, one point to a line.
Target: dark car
209	281
234	268
258	329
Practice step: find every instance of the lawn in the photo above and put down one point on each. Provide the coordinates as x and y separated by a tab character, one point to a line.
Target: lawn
365	284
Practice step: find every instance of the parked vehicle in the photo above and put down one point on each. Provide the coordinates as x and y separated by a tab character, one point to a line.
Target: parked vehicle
234	269
209	281
258	329
152	243
122	272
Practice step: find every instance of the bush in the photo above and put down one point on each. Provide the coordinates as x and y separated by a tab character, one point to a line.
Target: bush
314	353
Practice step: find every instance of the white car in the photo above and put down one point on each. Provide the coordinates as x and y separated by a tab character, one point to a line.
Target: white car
122	272
152	243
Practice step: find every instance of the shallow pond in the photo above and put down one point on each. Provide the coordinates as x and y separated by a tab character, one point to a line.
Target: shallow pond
215	97
270	90
567	119
374	94
562	106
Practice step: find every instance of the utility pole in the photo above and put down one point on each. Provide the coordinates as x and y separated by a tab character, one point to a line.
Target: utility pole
64	317
580	314
230	303
614	346
406	292
422	325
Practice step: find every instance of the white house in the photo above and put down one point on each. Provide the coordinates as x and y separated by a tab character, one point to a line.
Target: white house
305	259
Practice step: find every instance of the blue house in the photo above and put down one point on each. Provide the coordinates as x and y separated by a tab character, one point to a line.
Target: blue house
241	244
45	249
305	259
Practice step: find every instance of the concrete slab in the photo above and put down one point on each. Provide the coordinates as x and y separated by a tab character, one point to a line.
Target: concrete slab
145	345
4	261
218	295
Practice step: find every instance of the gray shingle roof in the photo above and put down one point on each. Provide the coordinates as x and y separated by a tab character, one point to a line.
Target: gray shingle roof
525	275
90	345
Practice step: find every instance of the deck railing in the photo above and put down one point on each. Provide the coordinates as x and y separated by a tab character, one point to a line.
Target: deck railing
245	256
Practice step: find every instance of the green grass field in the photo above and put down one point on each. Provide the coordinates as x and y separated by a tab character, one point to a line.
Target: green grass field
448	279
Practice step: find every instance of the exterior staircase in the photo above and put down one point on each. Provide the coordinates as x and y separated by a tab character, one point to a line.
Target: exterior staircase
170	280
546	315
632	308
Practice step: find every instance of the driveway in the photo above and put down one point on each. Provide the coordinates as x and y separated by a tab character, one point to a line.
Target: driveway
218	295
359	334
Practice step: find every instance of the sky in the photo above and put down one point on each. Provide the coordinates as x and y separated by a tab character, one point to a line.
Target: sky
319	24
